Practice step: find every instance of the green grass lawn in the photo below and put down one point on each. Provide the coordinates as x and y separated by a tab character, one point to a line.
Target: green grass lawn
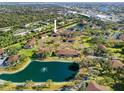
116	52
28	52
70	26
86	44
85	38
17	45
114	49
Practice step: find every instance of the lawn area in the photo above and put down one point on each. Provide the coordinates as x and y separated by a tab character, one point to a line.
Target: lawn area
99	79
113	49
116	54
27	52
17	45
70	26
85	38
86	44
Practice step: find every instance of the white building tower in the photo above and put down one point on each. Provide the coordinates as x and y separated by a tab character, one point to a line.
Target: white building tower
55	30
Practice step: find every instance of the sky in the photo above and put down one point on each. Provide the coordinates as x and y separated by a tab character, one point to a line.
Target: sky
61	0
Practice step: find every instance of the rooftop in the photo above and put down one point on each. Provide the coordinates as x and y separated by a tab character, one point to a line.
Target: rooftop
13	58
93	86
1	51
101	46
31	41
42	50
67	52
117	63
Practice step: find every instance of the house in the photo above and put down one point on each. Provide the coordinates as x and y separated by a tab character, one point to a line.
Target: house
63	33
30	43
12	59
101	46
40	53
1	51
93	86
67	53
67	45
116	64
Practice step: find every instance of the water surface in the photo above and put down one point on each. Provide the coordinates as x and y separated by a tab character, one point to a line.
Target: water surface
41	72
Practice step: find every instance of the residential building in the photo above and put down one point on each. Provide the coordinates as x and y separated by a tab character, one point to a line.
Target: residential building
30	43
116	64
67	53
12	59
93	86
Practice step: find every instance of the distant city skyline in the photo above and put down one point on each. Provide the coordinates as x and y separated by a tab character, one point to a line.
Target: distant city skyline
55	2
63	1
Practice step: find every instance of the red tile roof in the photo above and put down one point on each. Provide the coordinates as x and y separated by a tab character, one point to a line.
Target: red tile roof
93	86
116	63
67	52
67	45
101	46
31	42
1	51
42	50
13	58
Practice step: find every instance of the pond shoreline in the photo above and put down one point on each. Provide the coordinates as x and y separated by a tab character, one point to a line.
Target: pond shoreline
37	83
63	61
29	62
22	68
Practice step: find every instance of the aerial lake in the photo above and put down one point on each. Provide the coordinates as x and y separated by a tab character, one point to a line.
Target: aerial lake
42	71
